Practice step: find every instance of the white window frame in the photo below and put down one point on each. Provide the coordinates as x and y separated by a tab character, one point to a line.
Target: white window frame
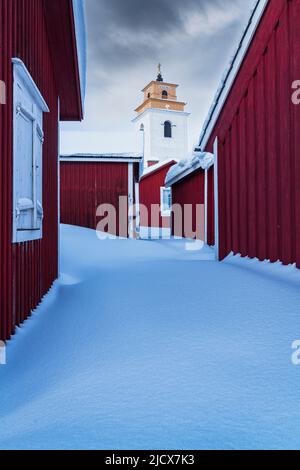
33	113
165	212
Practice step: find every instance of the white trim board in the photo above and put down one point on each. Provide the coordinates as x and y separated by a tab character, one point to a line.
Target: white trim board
137	208
216	199
24	75
130	200
102	160
234	69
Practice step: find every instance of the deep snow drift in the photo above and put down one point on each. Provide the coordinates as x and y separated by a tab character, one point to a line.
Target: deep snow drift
144	345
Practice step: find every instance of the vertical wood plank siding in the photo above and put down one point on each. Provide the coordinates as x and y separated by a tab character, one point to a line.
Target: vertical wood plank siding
188	191
150	194
210	207
259	152
27	270
86	185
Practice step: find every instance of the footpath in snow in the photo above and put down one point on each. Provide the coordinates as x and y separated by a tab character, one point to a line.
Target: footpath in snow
143	345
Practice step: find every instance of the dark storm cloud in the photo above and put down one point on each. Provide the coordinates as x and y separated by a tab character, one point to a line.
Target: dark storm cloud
193	39
124	32
154	16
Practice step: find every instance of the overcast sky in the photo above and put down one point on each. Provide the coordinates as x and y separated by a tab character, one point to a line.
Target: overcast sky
192	39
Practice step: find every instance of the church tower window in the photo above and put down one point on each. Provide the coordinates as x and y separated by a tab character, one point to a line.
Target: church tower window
168	130
163	121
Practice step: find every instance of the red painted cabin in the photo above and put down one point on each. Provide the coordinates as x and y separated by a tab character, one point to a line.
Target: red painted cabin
89	181
155	224
39	67
257	127
188	181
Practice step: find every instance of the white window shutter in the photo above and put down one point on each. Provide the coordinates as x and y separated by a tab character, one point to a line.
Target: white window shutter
39	175
24	197
28	150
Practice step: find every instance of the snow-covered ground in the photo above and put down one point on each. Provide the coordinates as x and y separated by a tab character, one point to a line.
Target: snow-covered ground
142	344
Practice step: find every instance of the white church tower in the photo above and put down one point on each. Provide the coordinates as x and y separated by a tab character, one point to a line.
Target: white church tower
162	122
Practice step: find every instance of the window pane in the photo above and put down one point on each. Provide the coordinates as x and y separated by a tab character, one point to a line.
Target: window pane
166	202
168	129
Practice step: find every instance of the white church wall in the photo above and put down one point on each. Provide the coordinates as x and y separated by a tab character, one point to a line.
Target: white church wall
158	147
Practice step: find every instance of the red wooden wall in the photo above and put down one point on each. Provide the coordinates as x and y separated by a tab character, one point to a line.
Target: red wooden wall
27	270
86	185
188	191
150	185
259	145
210	207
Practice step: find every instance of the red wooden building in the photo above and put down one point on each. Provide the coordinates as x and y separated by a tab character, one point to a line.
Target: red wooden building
254	130
155	201
188	181
42	73
89	181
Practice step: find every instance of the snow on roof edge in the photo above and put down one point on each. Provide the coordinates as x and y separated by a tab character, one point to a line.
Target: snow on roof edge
158	165
187	166
231	72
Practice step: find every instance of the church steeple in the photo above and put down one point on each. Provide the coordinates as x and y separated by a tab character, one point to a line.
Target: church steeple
160	95
163	122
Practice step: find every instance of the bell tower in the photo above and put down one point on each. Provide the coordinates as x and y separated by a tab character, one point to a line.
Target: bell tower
163	122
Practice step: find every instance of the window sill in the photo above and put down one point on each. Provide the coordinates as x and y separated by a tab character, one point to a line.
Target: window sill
165	213
27	236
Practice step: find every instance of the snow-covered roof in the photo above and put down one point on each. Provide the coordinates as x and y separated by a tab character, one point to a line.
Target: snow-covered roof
151	169
198	160
107	157
80	29
231	72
